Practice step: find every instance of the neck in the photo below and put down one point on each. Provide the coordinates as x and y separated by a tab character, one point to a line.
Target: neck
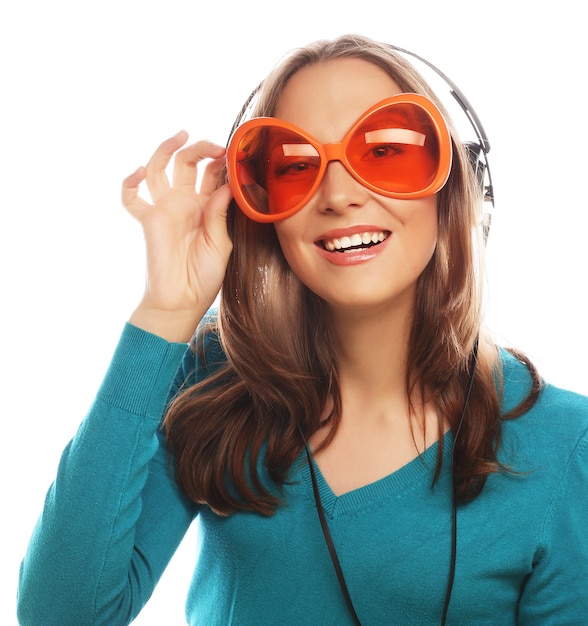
381	429
372	350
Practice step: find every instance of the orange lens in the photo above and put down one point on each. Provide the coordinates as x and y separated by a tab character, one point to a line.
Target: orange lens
399	148
276	167
395	149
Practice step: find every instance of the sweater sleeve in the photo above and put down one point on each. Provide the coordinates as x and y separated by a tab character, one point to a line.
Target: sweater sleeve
114	516
555	593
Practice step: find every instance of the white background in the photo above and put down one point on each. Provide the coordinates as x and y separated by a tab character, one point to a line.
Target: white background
89	89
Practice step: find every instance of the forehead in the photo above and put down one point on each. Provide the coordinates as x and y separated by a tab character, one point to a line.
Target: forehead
327	97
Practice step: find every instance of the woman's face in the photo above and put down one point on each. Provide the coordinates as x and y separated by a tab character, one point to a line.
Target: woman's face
353	247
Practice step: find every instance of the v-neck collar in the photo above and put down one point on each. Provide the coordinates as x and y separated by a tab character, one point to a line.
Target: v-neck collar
418	472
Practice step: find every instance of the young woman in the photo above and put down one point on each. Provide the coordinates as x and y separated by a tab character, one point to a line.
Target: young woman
354	445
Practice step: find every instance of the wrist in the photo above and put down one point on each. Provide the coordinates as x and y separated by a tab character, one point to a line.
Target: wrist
173	326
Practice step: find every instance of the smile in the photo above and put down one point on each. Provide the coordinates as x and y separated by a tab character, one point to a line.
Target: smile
357	241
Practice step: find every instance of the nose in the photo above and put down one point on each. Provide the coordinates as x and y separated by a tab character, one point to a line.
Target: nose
339	191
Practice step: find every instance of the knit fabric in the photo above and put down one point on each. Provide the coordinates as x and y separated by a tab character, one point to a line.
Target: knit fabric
114	516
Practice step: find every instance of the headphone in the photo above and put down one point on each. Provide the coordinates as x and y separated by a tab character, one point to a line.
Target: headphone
477	152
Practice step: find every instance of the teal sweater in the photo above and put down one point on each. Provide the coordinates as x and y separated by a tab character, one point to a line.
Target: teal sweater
113	518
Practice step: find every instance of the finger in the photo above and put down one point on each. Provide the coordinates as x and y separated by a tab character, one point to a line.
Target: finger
211	178
215	215
156	177
130	192
186	162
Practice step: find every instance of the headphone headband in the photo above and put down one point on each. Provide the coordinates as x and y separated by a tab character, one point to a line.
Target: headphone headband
477	152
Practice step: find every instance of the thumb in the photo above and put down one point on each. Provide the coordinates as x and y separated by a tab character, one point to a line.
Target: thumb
215	216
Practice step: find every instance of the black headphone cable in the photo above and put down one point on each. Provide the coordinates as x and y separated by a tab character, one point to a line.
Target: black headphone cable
325	526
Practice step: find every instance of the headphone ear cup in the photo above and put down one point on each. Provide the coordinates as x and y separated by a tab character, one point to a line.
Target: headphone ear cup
476	157
475	154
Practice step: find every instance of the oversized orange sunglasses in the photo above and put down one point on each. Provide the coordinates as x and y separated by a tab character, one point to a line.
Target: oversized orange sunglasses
399	148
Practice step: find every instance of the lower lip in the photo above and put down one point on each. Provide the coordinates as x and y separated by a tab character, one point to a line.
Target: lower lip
354	257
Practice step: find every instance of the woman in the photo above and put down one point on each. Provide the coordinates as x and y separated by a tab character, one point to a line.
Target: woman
346	374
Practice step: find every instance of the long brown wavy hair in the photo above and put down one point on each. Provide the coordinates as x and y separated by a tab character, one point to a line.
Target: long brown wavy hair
280	371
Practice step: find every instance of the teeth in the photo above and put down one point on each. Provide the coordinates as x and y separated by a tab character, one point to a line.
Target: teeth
357	239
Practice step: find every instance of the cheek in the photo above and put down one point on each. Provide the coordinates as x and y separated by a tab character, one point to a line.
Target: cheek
422	241
432	234
423	219
289	243
298	254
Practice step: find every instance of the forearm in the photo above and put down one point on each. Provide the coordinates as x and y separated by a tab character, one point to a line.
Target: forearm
83	564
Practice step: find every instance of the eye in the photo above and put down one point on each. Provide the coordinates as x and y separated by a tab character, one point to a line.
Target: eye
288	168
388	142
385	151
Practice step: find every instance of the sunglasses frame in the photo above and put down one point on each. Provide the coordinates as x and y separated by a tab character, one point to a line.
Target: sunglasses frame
336	152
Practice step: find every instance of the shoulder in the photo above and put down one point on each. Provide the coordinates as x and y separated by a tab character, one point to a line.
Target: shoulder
552	400
206	354
556	424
